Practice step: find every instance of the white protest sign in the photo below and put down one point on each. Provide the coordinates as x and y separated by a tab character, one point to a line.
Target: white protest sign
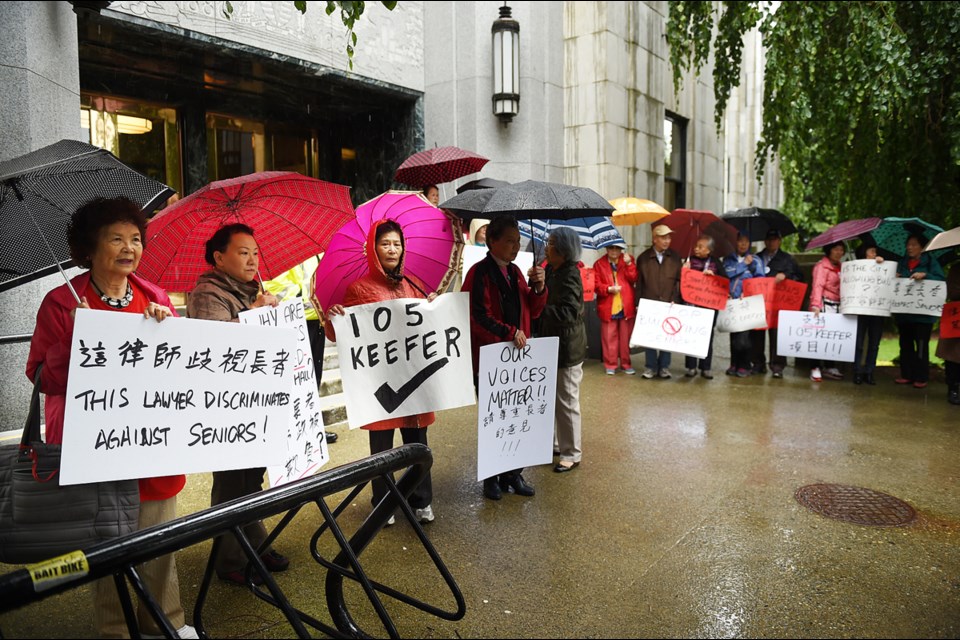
473	254
306	442
832	336
866	288
920	297
743	314
515	408
404	357
148	398
673	327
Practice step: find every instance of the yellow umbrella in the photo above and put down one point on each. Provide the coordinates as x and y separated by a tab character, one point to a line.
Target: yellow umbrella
636	211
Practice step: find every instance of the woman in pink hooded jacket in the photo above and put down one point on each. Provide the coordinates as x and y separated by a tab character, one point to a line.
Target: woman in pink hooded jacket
825	298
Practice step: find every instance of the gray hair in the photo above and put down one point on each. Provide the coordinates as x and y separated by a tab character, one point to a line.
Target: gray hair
567	243
710	242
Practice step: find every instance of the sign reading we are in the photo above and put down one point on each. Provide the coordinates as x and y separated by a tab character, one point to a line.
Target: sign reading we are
704	290
516	404
783	295
405	357
306	442
148	398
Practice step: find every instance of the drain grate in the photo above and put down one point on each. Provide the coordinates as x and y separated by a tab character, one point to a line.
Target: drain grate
855	504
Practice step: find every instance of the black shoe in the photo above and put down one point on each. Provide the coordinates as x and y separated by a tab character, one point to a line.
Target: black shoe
562	468
868	378
331	437
275	562
777	373
953	395
858	378
491	489
521	487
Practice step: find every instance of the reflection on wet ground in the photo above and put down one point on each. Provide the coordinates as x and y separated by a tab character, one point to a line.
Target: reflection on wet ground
680	522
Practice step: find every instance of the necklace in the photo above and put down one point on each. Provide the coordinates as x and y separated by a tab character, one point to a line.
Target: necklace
115	303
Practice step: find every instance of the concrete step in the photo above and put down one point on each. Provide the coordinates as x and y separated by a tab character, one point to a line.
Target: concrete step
331	360
332	383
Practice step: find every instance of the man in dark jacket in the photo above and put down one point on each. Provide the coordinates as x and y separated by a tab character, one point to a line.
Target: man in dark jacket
658	278
780	265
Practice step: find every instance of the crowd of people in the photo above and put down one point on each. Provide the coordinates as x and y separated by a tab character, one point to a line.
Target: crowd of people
107	237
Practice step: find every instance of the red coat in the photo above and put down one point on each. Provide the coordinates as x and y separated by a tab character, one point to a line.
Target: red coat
50	346
485	284
377	287
626	278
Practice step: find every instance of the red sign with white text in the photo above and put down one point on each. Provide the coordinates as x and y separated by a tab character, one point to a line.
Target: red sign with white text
704	290
786	295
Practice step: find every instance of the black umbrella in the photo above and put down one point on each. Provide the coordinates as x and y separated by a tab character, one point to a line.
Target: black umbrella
482	183
41	190
530	200
756	222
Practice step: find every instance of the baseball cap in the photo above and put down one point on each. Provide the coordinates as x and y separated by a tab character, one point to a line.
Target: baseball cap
662	230
772	233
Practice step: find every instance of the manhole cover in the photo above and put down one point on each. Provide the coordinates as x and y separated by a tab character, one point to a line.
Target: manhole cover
855	504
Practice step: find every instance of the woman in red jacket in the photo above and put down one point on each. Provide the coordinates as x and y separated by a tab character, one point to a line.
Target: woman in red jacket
616	275
107	237
386	281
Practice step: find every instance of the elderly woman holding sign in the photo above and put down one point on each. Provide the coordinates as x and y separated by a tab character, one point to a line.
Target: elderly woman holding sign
563	318
107	237
501	306
386	281
702	261
915	329
825	298
221	294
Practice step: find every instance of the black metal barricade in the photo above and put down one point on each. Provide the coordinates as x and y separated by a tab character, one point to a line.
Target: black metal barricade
119	557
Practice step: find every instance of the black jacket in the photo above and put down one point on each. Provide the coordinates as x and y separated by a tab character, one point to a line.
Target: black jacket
563	315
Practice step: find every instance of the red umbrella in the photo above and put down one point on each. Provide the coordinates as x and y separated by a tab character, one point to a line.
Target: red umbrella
292	216
436	166
689	224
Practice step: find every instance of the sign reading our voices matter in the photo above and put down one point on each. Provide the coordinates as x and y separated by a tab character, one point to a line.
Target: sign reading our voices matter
515	405
148	398
405	357
673	327
306	441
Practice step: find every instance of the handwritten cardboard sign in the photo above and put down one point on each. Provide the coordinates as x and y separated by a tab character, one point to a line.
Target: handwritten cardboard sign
866	288
517	398
673	327
405	357
306	441
702	290
919	297
950	320
148	398
786	295
832	336
742	314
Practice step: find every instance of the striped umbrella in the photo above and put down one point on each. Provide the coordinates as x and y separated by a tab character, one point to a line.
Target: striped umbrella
595	233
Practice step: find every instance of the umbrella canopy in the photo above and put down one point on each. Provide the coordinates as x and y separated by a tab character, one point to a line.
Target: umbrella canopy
40	191
292	216
482	183
633	211
595	233
891	236
528	200
945	240
689	224
846	230
435	166
433	241
756	222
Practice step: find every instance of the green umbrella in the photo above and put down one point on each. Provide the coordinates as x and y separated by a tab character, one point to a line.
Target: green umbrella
891	236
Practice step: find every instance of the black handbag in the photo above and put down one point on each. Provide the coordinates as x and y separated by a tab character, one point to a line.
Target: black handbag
38	517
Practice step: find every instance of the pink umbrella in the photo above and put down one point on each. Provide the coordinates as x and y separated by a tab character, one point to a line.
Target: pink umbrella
433	241
436	166
845	230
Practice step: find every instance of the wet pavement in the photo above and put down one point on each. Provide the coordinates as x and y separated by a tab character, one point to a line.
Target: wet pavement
680	522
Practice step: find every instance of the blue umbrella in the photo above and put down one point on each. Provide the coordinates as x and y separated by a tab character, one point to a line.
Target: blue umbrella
595	233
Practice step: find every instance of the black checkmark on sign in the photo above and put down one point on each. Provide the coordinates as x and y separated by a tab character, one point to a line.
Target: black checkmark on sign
390	399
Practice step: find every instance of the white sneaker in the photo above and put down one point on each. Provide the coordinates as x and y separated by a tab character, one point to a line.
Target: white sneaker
665	374
648	374
392	521
424	515
815	374
186	631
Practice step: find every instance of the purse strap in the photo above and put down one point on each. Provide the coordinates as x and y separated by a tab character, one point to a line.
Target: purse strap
31	430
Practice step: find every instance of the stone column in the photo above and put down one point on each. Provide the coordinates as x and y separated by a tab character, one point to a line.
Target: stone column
39	105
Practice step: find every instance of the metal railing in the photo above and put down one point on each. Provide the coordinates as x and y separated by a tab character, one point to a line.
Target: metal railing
119	557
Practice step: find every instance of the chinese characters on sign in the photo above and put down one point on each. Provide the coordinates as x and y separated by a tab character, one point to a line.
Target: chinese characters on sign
149	399
306	442
515	407
866	288
920	297
831	336
405	357
742	315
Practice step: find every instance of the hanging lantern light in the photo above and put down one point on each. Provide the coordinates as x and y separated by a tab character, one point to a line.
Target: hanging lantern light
506	65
